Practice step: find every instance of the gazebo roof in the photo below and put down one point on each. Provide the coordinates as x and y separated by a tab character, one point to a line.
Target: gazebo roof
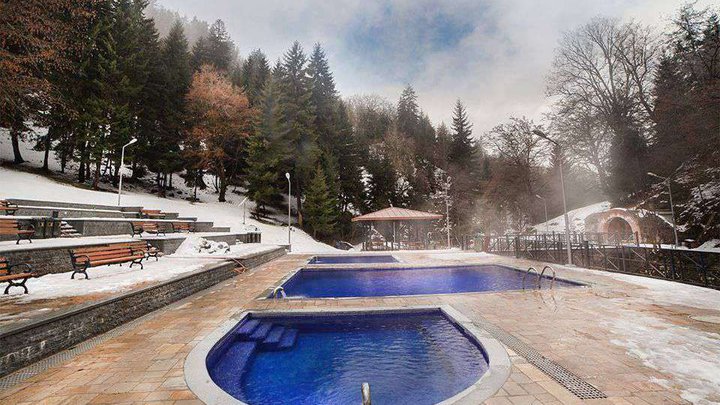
398	214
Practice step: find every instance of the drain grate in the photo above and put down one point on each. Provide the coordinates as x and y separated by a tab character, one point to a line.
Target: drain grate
579	387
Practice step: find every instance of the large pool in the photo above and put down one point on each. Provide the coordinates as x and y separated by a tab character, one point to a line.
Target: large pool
350	259
407	358
375	282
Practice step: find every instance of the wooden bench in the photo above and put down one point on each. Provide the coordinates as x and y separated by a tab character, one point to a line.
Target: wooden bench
12	227
7	208
150	227
14	279
145	248
114	253
182	227
158	214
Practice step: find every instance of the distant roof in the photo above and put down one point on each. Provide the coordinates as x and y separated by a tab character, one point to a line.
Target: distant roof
398	214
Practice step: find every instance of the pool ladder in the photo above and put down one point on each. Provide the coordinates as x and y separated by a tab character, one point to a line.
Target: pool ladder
539	276
365	390
278	292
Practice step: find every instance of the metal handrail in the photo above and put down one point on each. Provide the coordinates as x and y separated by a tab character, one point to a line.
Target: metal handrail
526	274
552	281
278	292
365	390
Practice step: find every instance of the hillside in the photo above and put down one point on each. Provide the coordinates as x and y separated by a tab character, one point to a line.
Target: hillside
21	184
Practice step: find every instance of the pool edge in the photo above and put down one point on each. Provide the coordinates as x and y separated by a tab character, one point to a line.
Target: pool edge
198	378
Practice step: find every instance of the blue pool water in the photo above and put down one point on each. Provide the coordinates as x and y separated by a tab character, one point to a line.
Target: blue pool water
352	259
418	358
311	283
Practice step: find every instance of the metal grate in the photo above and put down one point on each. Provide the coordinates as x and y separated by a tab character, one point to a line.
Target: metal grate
579	387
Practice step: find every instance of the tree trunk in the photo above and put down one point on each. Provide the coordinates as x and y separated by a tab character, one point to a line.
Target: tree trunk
83	163
116	174
298	201
223	183
171	177
15	138
96	178
48	144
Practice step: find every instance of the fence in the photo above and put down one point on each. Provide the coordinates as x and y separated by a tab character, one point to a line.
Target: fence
593	251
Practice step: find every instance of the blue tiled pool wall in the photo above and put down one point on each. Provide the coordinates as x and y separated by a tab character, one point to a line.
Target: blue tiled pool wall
239	379
356	259
386	281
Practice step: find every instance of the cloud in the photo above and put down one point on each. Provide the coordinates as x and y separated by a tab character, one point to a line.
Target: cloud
494	55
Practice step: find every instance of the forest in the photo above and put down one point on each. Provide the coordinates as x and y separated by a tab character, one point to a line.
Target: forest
627	99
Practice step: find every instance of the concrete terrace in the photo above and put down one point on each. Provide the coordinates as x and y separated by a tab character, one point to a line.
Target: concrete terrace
602	333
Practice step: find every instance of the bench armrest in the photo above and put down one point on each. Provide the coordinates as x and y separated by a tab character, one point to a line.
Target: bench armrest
75	258
26	265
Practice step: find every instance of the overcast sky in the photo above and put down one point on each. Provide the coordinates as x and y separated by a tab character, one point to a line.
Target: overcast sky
493	55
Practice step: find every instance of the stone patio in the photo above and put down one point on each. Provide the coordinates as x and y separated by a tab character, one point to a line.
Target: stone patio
567	325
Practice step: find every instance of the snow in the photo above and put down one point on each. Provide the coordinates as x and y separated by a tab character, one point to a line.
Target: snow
576	217
22	185
689	355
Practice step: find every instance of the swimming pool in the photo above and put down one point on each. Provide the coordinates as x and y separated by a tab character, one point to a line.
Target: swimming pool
348	259
407	357
376	282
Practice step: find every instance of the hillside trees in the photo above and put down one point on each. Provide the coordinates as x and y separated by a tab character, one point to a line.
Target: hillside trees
222	119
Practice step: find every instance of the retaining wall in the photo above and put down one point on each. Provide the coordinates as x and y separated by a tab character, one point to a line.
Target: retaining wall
23	344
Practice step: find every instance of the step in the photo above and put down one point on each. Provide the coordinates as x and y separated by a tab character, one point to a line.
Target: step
288	339
262	331
273	338
235	359
247	328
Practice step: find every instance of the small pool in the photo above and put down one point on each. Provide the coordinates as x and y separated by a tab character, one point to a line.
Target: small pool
413	358
348	259
377	282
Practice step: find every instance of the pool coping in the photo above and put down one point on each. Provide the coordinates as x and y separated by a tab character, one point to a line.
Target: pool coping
201	384
398	260
266	294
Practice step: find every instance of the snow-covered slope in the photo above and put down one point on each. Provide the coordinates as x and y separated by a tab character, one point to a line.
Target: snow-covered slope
576	217
18	184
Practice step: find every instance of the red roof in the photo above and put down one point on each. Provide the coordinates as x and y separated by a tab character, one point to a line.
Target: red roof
398	214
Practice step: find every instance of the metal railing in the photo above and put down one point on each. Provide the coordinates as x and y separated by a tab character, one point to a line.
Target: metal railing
683	265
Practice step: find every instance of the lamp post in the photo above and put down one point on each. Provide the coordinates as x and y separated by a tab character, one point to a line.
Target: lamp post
122	162
447	209
672	207
547	225
244	208
287	176
568	249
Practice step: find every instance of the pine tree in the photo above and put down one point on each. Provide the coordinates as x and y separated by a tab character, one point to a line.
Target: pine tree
408	112
320	206
255	73
266	150
216	49
462	148
299	116
324	97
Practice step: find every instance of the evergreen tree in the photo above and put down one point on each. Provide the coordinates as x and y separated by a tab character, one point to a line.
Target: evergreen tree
462	148
324	97
254	75
216	49
408	112
299	116
266	149
462	167
320	206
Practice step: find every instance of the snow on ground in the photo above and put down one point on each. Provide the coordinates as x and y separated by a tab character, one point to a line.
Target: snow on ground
16	184
576	217
689	355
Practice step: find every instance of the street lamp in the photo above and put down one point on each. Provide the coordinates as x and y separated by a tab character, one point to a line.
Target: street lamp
672	207
447	209
287	176
122	162
541	134
244	208
547	225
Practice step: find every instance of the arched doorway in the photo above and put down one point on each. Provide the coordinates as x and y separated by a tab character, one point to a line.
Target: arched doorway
620	230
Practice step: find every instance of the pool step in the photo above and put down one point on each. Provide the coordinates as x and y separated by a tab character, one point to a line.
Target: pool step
273	338
237	356
261	332
247	328
288	339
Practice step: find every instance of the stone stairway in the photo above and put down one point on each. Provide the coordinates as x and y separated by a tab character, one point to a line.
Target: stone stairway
67	231
266	336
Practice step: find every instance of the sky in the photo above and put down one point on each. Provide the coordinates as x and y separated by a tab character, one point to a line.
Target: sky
493	55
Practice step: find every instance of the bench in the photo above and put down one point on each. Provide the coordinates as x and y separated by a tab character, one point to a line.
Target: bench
145	248
115	253
150	227
12	227
14	279
182	227
157	214
7	208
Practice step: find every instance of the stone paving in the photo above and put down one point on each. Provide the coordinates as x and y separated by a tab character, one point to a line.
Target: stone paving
145	364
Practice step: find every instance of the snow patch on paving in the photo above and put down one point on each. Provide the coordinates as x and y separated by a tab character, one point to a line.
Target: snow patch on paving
689	355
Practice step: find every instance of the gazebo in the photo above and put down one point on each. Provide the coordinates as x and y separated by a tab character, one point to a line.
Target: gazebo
396	228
